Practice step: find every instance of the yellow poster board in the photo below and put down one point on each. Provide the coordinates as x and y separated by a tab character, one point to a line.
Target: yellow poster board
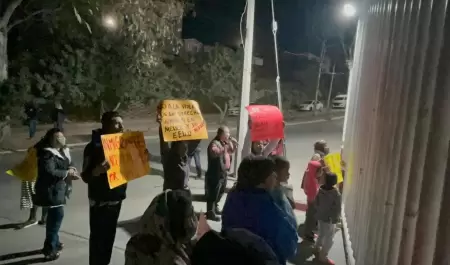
182	120
27	169
127	156
333	161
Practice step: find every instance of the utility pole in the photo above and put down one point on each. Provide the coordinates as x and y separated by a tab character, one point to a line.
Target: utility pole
322	59
331	87
246	81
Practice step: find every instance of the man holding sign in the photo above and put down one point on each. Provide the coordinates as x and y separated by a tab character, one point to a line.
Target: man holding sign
105	203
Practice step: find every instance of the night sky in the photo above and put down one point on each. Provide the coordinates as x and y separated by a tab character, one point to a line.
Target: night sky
218	21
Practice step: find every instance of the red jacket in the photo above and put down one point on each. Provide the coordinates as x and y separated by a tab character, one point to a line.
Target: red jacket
311	183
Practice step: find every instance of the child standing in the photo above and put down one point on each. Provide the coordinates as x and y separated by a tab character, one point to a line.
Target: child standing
328	207
282	193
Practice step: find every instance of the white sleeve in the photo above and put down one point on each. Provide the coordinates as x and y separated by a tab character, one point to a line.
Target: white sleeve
270	147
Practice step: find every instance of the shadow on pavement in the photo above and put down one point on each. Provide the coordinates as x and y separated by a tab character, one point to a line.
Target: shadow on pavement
130	226
10	226
23	255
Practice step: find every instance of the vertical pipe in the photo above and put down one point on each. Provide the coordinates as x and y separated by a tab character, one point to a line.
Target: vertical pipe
434	17
246	80
319	75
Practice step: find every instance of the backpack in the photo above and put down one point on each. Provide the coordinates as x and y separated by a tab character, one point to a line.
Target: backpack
234	246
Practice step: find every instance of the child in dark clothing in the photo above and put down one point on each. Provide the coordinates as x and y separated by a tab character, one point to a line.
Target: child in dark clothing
328	213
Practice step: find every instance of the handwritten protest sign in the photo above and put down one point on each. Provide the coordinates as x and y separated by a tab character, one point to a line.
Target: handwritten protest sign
27	169
127	156
266	122
182	120
333	161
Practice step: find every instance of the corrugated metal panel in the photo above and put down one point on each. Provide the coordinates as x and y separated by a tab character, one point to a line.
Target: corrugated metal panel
397	135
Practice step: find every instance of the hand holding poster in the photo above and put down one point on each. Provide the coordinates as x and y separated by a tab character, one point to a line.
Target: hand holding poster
182	120
127	156
266	122
27	169
333	161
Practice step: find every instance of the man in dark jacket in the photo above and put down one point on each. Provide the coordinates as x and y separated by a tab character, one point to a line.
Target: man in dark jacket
193	152
105	203
31	112
219	163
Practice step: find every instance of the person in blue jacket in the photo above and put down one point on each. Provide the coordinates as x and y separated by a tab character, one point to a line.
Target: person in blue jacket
250	206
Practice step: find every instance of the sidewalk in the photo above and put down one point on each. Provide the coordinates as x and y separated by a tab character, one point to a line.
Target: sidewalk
80	132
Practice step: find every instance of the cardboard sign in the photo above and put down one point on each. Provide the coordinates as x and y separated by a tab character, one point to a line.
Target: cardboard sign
126	154
182	120
333	161
27	169
266	122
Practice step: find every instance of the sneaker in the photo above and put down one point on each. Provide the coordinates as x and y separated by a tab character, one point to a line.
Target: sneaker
325	260
52	256
27	224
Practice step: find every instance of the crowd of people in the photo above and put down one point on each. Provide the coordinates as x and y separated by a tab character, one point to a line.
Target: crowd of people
258	221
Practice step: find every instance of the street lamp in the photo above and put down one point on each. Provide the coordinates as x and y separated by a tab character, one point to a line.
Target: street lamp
349	10
109	22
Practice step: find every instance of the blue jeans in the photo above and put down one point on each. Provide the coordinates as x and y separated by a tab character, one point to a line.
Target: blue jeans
198	165
55	217
32	124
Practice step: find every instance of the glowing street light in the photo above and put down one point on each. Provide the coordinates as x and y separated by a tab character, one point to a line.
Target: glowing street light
109	22
349	10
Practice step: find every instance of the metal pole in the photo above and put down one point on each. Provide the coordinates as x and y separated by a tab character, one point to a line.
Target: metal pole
246	81
331	87
322	55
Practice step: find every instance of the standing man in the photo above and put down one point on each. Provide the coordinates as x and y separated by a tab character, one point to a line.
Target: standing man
219	163
31	112
193	152
105	203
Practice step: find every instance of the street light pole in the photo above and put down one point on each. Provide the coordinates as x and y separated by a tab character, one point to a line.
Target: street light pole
322	57
246	81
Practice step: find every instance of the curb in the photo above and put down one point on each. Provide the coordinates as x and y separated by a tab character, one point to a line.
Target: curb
153	137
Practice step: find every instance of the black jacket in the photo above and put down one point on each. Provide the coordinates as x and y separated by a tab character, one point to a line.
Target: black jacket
193	146
98	186
176	172
52	172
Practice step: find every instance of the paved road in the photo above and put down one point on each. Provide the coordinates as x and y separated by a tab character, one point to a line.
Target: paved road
75	229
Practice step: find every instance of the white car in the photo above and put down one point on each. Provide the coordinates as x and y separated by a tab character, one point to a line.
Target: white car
234	111
339	102
310	104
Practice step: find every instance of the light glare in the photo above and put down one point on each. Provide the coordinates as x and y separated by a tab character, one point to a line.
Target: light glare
349	10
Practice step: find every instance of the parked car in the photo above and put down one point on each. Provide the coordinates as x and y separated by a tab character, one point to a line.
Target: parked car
339	102
310	104
233	111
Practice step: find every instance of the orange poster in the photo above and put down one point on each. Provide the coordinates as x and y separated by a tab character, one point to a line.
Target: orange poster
182	120
127	157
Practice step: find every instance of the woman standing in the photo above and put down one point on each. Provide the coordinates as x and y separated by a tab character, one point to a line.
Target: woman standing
55	173
176	172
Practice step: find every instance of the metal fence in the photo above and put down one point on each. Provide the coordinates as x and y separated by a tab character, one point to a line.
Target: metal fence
397	134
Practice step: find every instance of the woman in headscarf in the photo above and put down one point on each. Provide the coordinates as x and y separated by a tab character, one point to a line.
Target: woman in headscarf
166	230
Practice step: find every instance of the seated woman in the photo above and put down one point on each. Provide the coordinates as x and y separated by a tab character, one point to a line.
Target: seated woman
53	184
165	232
250	206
